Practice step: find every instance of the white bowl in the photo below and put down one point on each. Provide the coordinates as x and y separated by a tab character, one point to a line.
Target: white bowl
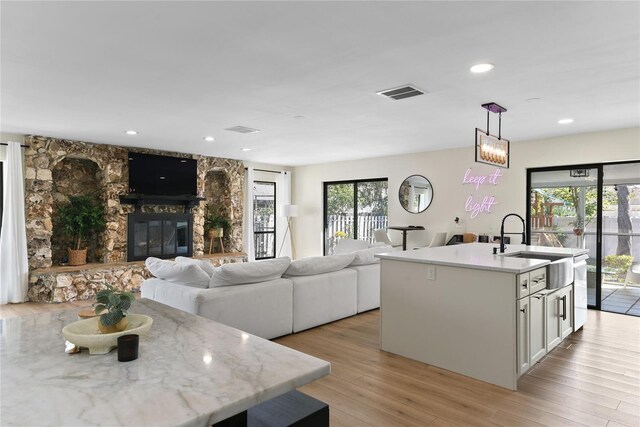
85	333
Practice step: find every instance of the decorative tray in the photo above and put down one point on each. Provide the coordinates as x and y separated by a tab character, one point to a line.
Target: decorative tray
85	333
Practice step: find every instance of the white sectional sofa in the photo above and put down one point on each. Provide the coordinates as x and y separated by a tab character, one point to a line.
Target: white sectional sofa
262	309
270	298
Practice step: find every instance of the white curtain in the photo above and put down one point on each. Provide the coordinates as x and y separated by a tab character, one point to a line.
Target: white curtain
283	197
14	266
247	217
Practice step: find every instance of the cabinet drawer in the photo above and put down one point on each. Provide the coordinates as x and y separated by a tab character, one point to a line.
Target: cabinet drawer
523	285
537	280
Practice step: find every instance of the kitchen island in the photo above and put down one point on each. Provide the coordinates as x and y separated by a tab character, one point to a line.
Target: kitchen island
466	310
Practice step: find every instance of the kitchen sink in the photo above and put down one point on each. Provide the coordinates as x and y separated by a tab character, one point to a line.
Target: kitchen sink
538	256
559	271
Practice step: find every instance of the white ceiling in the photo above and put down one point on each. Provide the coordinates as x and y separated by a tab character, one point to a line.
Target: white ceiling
177	71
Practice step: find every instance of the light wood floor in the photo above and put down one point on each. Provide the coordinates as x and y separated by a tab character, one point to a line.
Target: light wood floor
592	379
27	308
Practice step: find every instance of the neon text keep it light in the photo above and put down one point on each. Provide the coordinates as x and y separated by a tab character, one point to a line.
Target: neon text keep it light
474	206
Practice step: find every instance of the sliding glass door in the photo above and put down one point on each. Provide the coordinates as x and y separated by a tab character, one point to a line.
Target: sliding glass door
596	207
563	213
620	256
264	219
353	209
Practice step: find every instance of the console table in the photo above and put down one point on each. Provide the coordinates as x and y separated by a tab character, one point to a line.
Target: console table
404	229
191	371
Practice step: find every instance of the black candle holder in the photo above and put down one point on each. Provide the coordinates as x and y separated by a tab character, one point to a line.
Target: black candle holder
128	347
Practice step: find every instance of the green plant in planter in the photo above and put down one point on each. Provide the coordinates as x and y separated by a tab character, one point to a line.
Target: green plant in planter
618	265
214	220
116	303
81	217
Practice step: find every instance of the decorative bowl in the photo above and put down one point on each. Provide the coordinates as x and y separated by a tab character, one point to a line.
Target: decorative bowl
85	333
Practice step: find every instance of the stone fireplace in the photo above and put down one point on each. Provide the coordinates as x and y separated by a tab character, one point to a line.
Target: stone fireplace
161	235
57	168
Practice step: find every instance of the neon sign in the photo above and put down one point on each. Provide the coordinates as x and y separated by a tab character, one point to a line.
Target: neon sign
485	205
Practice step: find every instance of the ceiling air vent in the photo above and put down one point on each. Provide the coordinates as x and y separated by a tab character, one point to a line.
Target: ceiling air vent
406	91
242	129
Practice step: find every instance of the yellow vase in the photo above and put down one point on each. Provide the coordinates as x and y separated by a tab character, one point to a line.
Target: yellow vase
118	327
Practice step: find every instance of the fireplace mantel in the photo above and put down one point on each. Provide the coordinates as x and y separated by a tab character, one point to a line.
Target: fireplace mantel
140	199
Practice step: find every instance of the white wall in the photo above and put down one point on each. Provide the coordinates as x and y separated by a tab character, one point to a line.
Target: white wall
445	169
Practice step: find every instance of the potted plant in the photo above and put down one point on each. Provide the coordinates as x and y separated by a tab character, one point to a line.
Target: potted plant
114	305
578	226
81	217
215	224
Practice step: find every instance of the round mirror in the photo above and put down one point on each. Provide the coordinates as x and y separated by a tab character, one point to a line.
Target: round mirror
415	194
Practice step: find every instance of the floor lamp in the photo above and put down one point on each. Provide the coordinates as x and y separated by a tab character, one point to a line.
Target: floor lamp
289	211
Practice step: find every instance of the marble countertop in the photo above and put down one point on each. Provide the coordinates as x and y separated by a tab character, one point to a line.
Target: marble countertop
191	372
479	256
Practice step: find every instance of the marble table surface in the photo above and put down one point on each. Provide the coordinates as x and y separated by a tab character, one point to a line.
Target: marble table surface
480	256
191	371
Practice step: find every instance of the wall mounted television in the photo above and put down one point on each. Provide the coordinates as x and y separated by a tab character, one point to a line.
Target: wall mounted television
153	175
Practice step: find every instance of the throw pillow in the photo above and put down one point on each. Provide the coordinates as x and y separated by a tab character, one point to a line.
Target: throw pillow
185	273
202	263
379	245
367	256
346	245
318	265
249	272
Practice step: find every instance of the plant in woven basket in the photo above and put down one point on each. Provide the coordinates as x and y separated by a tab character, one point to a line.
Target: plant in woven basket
114	305
213	220
81	217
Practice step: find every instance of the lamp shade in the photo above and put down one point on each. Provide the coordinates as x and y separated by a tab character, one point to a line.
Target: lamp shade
290	211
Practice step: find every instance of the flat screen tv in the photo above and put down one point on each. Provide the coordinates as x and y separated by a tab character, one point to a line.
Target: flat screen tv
152	175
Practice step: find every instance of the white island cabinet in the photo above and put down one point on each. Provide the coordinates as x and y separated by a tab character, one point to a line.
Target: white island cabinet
464	309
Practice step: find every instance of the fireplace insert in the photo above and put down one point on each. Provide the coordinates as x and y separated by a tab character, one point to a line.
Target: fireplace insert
161	235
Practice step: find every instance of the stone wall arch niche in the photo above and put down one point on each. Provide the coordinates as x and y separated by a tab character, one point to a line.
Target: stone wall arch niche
220	198
74	176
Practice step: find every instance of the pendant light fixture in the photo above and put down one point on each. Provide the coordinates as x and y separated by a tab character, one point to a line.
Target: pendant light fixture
491	149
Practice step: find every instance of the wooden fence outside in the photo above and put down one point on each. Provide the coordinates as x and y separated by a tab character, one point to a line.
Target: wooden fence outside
344	224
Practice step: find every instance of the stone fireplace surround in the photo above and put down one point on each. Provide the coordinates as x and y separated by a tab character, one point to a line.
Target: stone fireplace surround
57	168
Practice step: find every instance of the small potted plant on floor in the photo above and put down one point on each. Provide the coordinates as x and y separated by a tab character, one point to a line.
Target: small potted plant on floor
112	305
81	217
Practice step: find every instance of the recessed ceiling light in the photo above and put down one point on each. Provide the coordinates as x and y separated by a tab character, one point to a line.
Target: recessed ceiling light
298	117
209	138
532	99
481	68
131	132
565	121
246	149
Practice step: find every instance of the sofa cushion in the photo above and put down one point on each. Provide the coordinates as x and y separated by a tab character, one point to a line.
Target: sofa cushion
202	263
323	298
249	272
367	256
368	286
319	265
185	273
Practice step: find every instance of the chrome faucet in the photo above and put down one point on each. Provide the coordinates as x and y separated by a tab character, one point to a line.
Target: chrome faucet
502	233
